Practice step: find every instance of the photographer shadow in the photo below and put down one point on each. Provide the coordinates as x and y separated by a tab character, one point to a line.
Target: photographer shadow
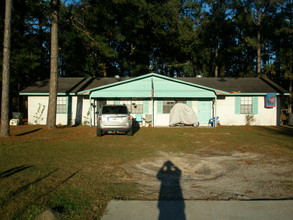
171	202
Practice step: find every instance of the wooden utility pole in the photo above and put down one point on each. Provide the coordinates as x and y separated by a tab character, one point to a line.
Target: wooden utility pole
5	129
52	107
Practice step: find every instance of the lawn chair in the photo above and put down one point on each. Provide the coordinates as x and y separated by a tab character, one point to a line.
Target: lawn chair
139	119
213	121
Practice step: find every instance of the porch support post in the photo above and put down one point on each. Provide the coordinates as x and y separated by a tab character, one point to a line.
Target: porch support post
90	111
215	111
153	101
153	112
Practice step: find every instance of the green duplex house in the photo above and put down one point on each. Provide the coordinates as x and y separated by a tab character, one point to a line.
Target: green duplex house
150	98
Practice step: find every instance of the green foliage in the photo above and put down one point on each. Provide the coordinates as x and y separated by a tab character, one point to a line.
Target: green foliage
39	114
249	119
134	37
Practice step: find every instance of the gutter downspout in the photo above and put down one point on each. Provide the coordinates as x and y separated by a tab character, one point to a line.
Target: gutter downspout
215	111
90	111
153	102
153	108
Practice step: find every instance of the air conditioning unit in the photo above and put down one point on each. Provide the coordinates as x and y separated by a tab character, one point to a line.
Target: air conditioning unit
14	122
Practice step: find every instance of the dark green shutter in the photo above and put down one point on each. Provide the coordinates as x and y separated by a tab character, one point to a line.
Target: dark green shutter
254	105
237	104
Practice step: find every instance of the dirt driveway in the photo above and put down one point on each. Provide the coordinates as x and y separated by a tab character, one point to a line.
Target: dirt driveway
212	175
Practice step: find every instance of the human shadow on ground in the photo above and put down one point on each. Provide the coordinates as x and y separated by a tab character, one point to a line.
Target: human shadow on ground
171	202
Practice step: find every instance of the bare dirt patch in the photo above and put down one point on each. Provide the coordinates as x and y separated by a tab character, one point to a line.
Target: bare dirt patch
213	175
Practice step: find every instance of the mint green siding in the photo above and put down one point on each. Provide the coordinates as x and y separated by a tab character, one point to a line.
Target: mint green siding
139	88
173	89
142	88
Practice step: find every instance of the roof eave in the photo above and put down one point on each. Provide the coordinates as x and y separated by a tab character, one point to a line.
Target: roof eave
86	92
45	93
255	93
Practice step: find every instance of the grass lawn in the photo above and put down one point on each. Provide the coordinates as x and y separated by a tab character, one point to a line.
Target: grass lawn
71	171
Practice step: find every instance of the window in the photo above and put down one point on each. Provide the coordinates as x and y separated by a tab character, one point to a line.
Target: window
246	105
168	105
136	108
61	105
114	109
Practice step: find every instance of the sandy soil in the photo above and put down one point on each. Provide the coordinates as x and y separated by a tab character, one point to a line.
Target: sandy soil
212	175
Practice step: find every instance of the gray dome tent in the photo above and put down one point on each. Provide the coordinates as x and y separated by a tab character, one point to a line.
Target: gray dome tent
182	114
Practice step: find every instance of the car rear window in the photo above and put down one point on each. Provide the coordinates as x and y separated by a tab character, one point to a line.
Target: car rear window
114	110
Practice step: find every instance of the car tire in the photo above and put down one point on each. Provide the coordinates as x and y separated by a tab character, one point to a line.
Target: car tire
99	132
129	133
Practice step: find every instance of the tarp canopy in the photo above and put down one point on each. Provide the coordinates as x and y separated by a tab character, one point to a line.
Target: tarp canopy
182	114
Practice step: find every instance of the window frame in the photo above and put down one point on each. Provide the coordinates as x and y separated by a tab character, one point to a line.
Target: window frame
133	105
137	108
166	107
246	105
61	107
255	105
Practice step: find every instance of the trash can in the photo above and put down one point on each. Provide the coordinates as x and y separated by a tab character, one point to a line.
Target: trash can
16	118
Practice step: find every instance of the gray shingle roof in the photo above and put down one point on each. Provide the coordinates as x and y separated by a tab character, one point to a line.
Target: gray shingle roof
237	85
242	85
65	85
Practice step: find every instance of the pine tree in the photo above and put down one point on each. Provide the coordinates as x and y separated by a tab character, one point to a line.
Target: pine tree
5	130
51	117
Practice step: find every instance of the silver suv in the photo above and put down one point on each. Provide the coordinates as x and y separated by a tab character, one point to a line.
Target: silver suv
114	118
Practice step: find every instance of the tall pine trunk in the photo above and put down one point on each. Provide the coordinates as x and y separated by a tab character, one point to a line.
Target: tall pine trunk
216	61
258	48
51	117
290	106
5	129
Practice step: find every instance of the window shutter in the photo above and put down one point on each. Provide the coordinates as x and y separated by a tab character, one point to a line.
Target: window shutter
68	104
159	107
145	107
189	103
254	105
237	104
